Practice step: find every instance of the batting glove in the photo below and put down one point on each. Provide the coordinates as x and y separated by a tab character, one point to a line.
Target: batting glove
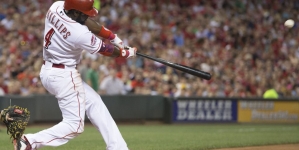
117	42
128	52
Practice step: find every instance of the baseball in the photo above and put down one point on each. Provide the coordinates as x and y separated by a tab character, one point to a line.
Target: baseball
289	23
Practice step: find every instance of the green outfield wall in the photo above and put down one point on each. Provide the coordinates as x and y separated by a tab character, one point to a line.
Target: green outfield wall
44	108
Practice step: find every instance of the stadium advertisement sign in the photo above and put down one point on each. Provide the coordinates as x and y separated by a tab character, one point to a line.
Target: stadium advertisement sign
268	111
194	110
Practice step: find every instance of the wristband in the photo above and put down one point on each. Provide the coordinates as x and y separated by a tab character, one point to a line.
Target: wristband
106	49
106	33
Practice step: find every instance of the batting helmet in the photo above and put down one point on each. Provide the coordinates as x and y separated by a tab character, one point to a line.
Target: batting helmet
84	6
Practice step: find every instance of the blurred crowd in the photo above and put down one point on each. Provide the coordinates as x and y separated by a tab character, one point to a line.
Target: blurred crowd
242	43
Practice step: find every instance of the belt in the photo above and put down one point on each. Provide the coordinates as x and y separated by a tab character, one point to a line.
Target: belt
57	65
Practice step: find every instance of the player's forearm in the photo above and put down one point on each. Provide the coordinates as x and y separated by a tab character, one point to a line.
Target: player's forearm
98	29
113	51
116	52
110	50
93	26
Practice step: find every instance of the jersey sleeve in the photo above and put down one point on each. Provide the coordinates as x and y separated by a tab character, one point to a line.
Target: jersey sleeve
89	42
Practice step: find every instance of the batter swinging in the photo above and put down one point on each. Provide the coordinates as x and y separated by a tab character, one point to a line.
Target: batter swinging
65	37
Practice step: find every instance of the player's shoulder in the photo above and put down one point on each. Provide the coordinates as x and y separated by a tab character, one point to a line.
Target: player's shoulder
80	29
82	32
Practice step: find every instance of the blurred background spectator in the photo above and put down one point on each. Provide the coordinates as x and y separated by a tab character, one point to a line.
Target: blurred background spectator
295	91
92	76
242	43
271	92
112	85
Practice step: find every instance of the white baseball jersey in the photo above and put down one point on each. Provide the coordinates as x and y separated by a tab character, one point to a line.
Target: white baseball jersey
65	39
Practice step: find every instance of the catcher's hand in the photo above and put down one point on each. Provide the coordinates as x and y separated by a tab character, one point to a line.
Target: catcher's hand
16	119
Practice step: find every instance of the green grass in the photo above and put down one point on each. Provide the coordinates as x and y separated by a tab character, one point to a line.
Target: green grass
179	137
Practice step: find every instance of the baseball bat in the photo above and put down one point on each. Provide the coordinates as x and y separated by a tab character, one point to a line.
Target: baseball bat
189	70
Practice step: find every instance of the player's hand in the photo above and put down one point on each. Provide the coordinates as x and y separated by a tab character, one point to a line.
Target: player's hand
129	52
117	42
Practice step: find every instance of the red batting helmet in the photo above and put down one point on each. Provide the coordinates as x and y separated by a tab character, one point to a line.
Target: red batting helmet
84	6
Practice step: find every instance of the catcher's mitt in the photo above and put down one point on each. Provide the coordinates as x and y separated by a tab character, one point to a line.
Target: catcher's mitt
16	119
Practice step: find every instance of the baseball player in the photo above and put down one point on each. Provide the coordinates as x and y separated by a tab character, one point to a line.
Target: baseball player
65	37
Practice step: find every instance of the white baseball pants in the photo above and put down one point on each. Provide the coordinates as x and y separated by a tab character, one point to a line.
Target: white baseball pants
75	98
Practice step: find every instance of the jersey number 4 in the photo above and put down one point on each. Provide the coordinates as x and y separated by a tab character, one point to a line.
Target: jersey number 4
48	37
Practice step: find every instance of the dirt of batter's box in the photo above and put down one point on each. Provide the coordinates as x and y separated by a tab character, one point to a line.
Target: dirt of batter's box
270	147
